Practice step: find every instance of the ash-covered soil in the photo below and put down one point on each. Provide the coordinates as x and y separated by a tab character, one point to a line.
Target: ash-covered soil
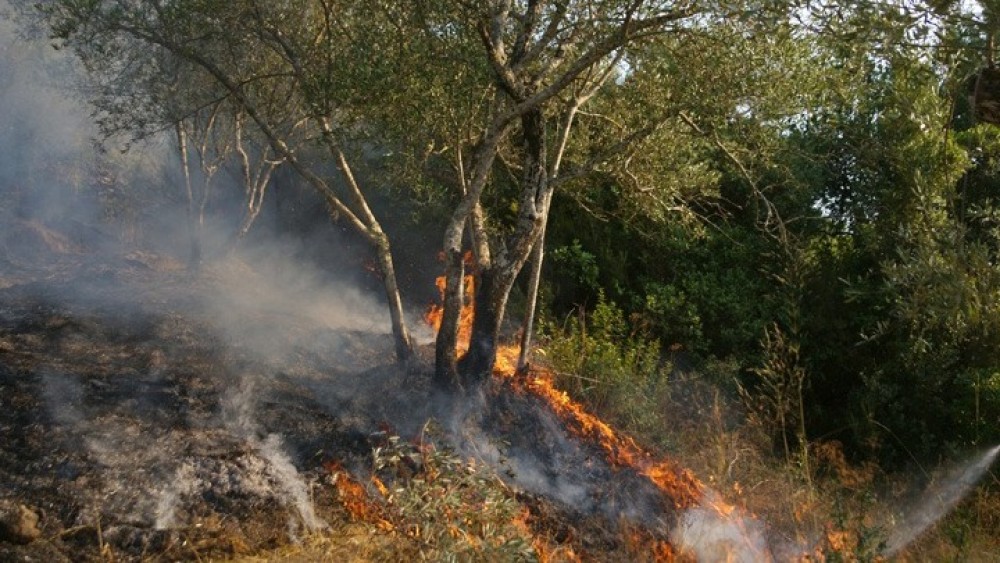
145	414
149	413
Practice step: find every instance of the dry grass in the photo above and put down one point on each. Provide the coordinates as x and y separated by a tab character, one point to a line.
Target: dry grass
847	510
345	541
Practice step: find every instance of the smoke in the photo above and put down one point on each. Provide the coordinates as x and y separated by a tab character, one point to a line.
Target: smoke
110	440
130	469
707	533
239	415
66	204
53	173
299	323
548	463
262	297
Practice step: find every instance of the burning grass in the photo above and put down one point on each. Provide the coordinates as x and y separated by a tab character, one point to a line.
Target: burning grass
679	487
679	484
86	388
441	505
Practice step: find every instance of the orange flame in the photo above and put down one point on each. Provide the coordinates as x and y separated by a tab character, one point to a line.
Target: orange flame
355	498
679	484
675	482
435	313
642	546
544	548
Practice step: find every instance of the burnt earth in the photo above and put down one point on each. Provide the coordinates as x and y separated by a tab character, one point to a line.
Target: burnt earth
135	428
149	414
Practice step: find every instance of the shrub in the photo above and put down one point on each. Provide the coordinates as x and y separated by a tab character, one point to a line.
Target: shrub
618	371
455	510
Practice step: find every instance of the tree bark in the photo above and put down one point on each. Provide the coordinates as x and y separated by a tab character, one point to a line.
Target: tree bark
380	242
401	335
445	354
538	252
490	303
194	257
446	372
537	257
496	282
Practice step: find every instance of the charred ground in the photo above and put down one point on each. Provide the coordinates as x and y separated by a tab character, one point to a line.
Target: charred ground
152	414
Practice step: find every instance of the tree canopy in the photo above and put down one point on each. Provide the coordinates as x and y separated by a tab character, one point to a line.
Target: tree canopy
734	175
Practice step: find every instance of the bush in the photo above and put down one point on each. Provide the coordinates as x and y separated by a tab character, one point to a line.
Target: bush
617	371
456	510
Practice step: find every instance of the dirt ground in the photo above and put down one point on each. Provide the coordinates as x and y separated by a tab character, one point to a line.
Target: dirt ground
134	426
152	414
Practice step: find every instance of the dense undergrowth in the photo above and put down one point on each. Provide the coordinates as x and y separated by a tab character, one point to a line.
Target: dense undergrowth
746	446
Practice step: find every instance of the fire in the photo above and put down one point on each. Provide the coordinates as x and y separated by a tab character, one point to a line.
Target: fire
544	548
676	483
640	545
679	484
435	313
356	499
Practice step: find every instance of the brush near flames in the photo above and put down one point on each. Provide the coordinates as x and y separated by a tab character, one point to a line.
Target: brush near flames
709	529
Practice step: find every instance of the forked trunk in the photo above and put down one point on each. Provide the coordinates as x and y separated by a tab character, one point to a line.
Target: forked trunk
446	372
496	281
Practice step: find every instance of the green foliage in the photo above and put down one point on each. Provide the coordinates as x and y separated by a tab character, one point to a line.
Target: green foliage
831	182
457	510
578	268
597	358
779	397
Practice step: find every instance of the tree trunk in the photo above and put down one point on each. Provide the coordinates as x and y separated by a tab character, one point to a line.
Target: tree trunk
496	282
445	354
282	149
404	347
490	303
538	252
401	335
537	257
194	258
446	371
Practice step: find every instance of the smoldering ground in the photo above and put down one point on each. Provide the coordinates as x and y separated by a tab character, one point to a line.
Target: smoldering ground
141	398
146	403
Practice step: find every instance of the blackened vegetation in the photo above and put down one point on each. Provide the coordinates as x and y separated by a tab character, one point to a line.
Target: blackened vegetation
534	447
142	409
115	432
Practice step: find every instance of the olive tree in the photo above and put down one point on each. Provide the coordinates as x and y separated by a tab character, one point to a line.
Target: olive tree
273	62
519	98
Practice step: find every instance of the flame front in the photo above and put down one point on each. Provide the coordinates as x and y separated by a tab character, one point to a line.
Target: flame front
356	499
678	484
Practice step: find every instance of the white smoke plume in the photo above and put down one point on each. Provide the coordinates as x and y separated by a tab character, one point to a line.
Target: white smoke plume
939	499
239	414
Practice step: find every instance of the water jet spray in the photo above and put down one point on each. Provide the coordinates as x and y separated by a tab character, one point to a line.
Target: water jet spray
939	499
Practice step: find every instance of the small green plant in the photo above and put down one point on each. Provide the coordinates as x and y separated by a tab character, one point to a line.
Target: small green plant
600	359
456	510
